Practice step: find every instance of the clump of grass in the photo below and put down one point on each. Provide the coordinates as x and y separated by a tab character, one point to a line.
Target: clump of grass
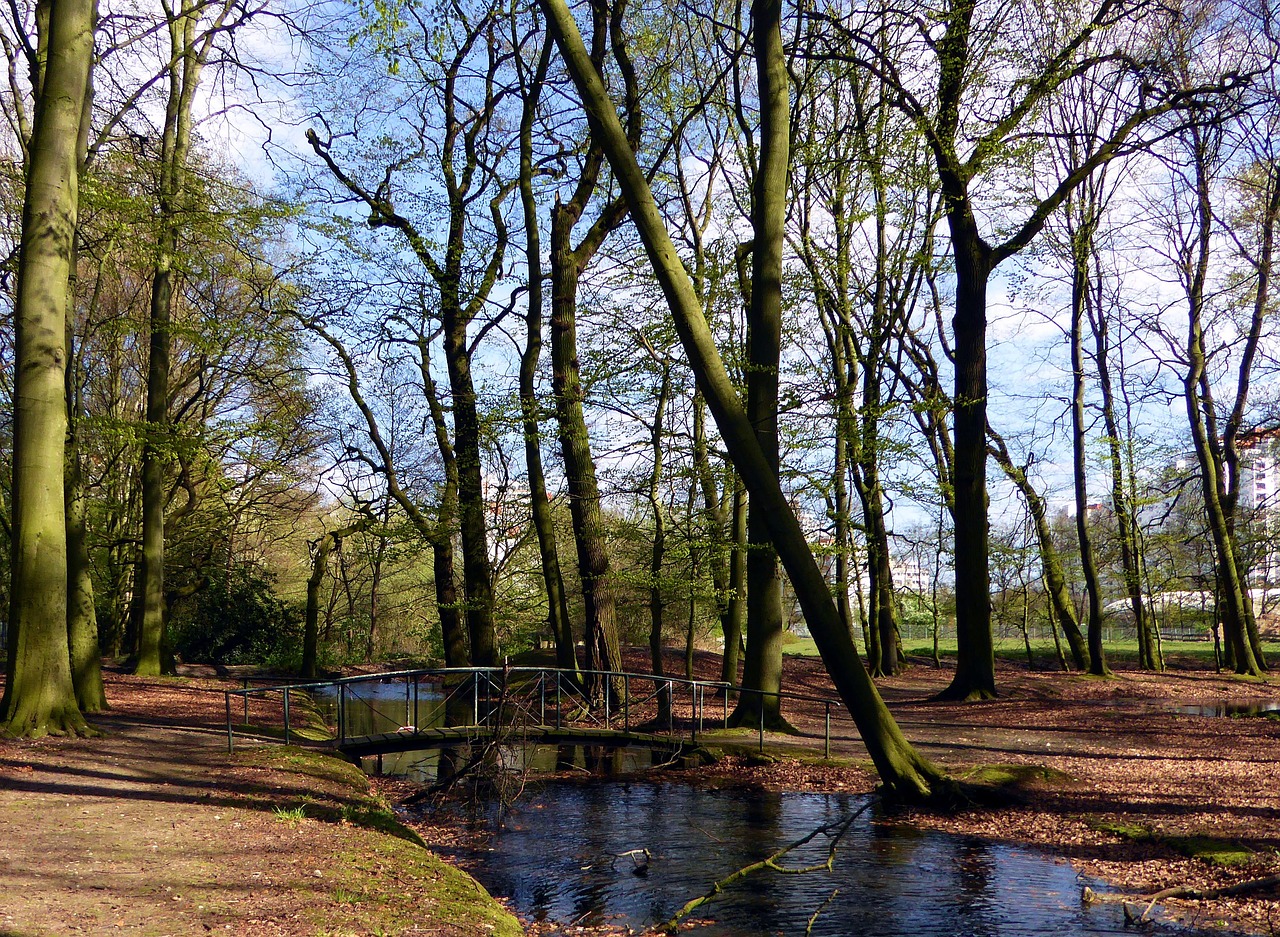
290	814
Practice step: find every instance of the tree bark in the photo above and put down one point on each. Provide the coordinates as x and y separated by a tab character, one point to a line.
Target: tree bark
558	622
39	696
762	671
1079	297
975	652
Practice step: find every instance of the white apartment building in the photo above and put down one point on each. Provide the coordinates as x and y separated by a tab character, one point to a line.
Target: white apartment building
1260	474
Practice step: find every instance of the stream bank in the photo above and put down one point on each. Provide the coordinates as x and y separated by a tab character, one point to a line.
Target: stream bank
153	829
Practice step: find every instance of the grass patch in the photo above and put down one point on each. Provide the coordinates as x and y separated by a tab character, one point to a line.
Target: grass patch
290	814
384	880
391	886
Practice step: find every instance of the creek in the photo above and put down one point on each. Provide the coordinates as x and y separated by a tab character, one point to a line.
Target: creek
563	855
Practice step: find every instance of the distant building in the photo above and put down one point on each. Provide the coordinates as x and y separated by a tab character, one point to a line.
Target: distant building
1260	473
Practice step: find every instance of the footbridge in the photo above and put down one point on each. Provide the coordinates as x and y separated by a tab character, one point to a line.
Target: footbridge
411	710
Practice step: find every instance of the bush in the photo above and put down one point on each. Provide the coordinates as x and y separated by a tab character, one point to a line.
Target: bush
238	619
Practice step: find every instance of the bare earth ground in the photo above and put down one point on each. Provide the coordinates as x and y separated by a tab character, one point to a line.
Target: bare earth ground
152	829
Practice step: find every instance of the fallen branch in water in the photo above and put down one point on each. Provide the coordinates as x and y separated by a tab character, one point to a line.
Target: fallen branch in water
1190	892
836	830
808	931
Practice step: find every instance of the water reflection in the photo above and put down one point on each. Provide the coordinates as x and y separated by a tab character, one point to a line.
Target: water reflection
373	708
556	859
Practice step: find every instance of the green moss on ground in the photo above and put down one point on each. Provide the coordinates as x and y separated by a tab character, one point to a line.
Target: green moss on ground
1215	850
385	879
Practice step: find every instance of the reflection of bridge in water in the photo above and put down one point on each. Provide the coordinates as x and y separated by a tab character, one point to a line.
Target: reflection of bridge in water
415	710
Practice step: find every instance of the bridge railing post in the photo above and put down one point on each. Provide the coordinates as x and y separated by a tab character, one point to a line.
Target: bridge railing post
231	738
671	707
286	715
693	713
559	707
416	704
826	736
342	713
475	698
626	703
761	722
542	697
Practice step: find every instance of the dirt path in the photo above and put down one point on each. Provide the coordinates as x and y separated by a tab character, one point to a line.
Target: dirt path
153	829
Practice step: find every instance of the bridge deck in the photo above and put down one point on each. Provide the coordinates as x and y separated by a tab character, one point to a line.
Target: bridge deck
441	737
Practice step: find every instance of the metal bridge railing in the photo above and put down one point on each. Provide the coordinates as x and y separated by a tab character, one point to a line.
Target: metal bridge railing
491	698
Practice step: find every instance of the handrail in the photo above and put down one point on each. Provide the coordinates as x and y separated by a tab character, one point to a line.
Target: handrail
696	686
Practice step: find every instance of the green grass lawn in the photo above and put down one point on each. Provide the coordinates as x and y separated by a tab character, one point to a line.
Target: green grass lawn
1120	652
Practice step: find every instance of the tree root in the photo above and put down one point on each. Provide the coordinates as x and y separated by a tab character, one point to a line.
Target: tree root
1190	892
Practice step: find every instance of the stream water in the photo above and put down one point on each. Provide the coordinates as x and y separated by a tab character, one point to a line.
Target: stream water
561	855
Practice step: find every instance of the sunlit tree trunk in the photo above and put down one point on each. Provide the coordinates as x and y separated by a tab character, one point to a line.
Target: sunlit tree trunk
558	622
762	671
1079	296
39	695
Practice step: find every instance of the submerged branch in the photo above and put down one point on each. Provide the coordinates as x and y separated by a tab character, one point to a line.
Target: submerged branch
835	830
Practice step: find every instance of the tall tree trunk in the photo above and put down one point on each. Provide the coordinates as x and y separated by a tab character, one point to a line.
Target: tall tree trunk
601	630
975	652
1126	520
82	618
567	264
726	548
658	550
39	696
1079	297
558	622
188	57
733	622
1232	592
477	571
763	668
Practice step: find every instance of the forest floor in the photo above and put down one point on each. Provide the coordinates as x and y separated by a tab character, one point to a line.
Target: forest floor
153	829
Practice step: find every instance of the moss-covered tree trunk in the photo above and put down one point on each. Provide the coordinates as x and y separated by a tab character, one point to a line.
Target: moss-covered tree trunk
39	695
1232	592
901	768
762	671
594	570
